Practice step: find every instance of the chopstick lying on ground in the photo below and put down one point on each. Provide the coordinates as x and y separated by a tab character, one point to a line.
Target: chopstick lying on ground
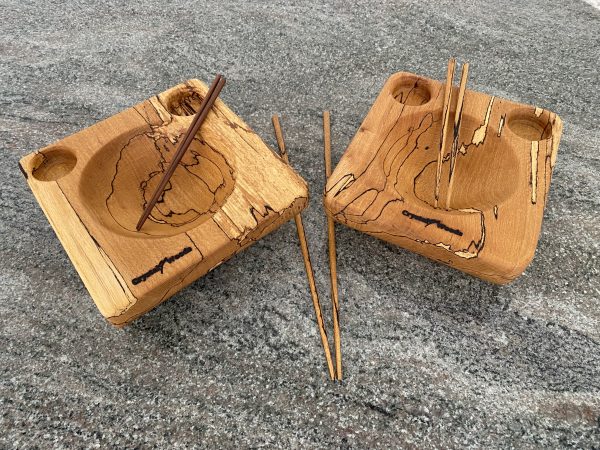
332	253
305	254
205	107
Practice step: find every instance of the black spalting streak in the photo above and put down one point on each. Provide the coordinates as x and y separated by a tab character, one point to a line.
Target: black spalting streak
23	171
427	221
160	266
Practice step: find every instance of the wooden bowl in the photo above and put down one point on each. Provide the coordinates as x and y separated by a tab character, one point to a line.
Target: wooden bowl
228	191
384	184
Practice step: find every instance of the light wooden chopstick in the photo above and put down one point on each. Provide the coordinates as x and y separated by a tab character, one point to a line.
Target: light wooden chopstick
306	256
332	252
457	122
445	120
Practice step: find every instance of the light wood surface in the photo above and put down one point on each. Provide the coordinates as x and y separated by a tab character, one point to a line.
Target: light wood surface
385	183
310	275
335	303
228	191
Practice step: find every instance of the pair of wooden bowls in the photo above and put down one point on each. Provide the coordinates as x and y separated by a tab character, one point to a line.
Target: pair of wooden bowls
230	189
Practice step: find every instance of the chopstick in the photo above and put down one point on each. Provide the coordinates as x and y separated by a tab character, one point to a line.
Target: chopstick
457	122
205	107
306	256
445	120
332	252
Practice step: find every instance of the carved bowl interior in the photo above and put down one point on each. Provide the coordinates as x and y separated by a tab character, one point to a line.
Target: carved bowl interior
120	179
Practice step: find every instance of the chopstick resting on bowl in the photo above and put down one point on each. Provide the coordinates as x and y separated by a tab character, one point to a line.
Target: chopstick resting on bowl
205	107
457	122
445	120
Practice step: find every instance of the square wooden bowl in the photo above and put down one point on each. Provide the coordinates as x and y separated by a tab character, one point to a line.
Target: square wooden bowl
229	190
385	182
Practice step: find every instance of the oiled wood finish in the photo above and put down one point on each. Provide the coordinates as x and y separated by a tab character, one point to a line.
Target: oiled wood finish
337	343
310	275
385	183
228	191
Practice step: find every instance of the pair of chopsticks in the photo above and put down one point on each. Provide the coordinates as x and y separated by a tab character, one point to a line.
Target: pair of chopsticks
455	129
332	256
197	121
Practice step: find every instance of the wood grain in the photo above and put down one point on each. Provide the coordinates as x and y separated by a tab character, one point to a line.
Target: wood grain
310	275
229	190
384	183
331	247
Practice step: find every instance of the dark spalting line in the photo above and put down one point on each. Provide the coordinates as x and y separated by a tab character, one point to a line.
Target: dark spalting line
221	114
162	163
408	135
416	146
343	210
23	171
235	127
501	125
428	221
387	171
547	127
375	153
258	215
374	219
345	184
343	215
403	100
481	243
159	267
419	176
173	288
97	244
112	182
186	167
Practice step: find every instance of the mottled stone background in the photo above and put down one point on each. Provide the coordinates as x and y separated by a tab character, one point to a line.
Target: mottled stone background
433	357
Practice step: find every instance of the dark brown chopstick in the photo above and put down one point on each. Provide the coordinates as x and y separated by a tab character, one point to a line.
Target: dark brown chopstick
205	107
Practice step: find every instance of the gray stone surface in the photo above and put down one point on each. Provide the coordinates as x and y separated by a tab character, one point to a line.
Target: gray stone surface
433	357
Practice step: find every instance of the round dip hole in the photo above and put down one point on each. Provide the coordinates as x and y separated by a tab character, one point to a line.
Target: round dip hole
185	102
531	124
52	164
412	91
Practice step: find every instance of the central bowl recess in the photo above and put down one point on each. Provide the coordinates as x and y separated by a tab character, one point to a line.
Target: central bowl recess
485	174
119	180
